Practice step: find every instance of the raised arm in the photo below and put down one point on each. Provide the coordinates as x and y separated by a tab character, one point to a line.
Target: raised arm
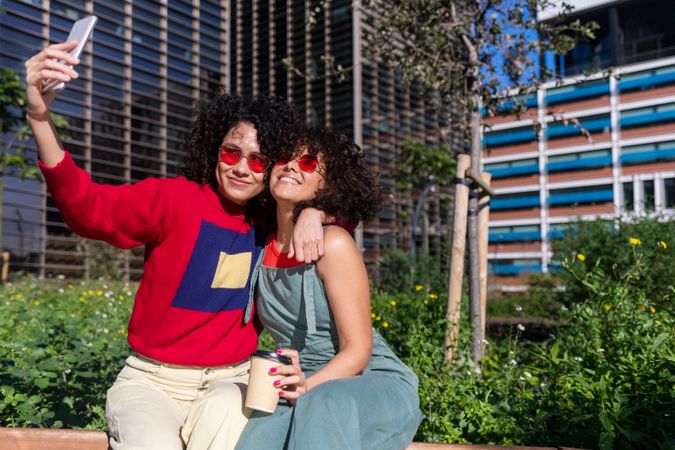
124	216
41	67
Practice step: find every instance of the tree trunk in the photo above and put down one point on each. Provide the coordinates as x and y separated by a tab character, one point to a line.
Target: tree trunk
474	252
473	43
483	233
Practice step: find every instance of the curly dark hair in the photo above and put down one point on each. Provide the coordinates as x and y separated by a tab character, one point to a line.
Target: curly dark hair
276	122
351	191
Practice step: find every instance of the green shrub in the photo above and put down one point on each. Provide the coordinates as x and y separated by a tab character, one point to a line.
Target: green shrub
60	350
605	244
541	299
610	370
401	273
605	381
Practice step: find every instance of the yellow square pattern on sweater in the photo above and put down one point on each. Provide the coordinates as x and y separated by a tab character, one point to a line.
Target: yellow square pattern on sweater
232	271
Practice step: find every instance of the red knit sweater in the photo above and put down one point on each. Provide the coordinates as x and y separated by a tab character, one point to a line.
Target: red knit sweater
199	255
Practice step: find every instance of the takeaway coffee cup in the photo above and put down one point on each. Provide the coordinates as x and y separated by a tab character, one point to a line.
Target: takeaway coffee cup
261	394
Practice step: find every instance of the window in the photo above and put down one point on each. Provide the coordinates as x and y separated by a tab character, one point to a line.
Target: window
669	192
628	200
648	196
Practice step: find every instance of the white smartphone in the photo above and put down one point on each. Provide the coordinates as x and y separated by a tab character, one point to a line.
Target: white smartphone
80	32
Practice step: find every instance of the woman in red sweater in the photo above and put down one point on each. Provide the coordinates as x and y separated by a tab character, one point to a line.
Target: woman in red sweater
190	330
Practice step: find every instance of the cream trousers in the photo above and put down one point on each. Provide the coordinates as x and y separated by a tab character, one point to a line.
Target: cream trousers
154	406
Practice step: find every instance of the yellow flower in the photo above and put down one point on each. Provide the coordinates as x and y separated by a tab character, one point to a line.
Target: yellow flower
581	257
652	309
36	302
378	318
607	307
90	292
99	292
372	315
433	296
18	296
663	245
419	287
83	300
69	285
426	302
658	322
634	241
385	324
121	297
392	303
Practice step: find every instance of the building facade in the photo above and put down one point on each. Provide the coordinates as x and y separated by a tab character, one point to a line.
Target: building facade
130	111
587	146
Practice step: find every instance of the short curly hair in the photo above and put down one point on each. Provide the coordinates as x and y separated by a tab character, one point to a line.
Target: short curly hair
276	122
351	191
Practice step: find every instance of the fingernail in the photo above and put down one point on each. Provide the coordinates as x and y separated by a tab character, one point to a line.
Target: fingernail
281	393
278	352
273	370
277	383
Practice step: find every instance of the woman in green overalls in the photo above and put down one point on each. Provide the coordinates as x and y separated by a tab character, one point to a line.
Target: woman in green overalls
345	388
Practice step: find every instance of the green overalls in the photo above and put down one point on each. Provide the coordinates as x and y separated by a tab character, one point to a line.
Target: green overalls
378	409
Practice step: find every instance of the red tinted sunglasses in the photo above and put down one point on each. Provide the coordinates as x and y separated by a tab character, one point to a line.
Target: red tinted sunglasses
256	161
307	162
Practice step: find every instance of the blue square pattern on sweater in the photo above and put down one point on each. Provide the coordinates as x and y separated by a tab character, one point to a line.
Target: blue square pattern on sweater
217	277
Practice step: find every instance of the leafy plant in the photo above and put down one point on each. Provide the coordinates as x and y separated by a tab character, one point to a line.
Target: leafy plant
61	348
606	245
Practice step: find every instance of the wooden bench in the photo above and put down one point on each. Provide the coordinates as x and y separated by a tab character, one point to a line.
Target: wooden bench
48	439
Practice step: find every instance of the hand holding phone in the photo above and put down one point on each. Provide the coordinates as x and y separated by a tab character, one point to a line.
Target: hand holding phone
80	32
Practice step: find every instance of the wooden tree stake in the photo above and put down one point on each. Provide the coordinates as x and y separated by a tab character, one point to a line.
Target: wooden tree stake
457	257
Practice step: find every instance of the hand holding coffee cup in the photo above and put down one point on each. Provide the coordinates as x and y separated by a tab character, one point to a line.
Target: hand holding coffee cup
262	393
292	381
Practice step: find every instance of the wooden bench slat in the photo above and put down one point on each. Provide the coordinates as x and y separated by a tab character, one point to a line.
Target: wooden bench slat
48	439
51	439
429	446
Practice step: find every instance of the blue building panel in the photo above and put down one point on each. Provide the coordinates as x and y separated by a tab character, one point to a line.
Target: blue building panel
502	138
556	234
646	81
512	236
667	154
580	164
514	203
579	92
514	269
559	129
647	118
570	198
504	172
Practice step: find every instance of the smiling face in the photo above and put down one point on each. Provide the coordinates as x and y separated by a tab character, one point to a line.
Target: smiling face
237	182
299	178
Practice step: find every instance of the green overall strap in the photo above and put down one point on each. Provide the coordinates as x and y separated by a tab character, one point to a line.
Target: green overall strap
252	287
308	283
